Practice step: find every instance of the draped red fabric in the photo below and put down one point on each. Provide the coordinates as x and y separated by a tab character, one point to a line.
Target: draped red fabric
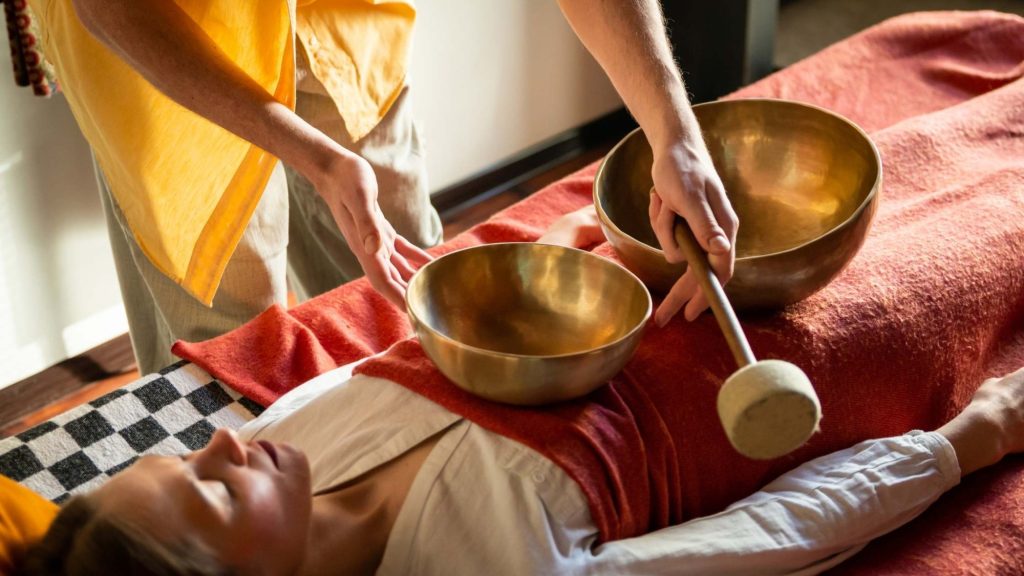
932	304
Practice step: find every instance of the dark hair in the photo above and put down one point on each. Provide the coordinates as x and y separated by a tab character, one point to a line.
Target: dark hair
82	542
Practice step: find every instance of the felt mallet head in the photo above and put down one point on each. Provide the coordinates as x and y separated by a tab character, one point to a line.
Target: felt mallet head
768	409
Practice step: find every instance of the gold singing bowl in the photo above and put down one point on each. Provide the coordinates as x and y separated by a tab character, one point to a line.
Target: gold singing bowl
526	323
804	183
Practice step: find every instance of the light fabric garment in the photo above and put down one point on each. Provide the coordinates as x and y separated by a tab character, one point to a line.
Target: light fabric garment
160	312
359	49
186	186
483	504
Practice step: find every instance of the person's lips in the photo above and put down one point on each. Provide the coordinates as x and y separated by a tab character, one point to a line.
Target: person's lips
271	451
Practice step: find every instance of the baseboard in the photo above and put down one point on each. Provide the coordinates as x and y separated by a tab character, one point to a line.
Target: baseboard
522	166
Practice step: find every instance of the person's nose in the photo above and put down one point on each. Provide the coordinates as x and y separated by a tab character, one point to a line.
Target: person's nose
224	447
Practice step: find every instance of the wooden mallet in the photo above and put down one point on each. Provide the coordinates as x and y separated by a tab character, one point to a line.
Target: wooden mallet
767	408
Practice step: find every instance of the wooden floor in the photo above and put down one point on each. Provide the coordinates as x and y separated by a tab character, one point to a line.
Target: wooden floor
98	374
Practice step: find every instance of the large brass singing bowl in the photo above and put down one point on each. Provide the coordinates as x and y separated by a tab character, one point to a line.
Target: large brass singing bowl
527	323
804	183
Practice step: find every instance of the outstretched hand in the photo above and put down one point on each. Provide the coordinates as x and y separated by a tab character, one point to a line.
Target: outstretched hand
686	185
577	229
349	187
991	426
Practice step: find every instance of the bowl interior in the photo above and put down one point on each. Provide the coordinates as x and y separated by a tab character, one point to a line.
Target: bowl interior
792	172
528	299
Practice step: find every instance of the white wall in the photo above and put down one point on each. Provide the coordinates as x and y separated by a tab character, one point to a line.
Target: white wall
493	77
490	79
58	292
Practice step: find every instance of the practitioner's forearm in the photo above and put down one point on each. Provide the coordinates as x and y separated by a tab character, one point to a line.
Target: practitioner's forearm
161	42
628	39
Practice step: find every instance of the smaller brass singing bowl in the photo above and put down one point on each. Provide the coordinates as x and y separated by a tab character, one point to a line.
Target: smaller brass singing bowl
525	323
803	181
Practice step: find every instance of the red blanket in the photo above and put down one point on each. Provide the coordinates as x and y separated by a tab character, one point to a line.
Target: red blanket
910	327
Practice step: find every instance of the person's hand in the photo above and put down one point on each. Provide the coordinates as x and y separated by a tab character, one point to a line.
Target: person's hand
686	184
991	426
349	187
578	229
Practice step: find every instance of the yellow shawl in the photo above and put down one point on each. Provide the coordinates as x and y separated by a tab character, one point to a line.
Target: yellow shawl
186	186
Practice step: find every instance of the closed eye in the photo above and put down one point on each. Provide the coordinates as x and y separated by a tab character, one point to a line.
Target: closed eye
214	492
216	497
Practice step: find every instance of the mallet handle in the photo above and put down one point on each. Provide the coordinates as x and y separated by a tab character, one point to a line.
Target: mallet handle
697	260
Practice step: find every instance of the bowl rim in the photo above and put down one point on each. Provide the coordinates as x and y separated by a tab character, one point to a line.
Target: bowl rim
850	221
417	321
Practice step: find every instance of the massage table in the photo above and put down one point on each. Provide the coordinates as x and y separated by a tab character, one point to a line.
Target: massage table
885	79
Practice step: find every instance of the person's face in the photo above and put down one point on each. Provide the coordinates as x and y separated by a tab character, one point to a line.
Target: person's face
249	503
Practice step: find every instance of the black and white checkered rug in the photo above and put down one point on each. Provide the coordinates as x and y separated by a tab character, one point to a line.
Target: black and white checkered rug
172	412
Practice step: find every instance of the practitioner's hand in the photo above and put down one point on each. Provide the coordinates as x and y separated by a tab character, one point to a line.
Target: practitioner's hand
578	229
686	184
349	187
992	424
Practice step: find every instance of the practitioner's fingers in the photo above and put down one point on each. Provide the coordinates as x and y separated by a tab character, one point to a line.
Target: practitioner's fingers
412	253
722	261
682	291
663	222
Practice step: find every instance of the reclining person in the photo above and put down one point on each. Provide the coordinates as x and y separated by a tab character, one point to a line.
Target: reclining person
350	474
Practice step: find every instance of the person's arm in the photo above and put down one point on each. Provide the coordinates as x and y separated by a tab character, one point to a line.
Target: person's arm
991	426
806	521
824	511
160	41
628	39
